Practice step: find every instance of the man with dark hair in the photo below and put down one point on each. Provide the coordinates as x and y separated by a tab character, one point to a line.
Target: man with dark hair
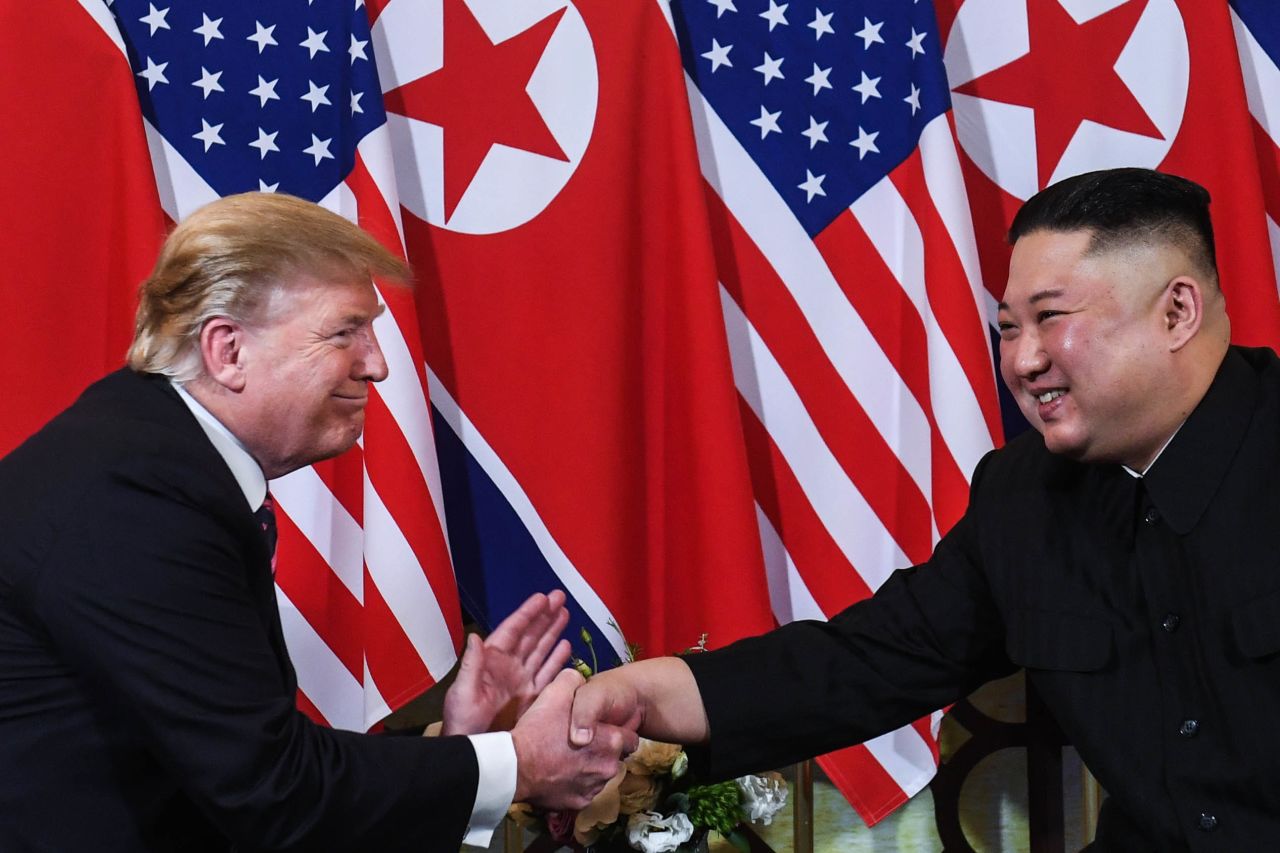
147	701
1123	552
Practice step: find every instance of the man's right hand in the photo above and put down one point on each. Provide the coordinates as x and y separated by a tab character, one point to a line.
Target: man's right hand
658	697
551	773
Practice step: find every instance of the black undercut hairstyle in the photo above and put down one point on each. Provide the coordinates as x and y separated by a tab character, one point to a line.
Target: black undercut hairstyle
1125	207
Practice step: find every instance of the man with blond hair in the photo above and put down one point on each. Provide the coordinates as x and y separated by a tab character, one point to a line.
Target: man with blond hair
147	701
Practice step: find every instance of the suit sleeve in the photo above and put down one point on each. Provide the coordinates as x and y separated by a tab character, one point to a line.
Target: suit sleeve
929	636
148	596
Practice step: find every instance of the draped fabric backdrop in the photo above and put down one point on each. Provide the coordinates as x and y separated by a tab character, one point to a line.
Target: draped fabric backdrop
701	330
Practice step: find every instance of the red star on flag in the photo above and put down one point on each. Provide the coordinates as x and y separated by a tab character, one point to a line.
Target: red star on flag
478	96
1068	76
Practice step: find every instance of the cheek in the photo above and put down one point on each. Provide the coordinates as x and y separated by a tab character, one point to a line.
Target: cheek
1006	354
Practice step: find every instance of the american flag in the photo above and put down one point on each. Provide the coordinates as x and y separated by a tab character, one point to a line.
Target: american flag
239	96
730	368
853	301
1257	34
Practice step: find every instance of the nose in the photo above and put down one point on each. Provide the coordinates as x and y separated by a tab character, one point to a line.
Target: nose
1025	356
372	365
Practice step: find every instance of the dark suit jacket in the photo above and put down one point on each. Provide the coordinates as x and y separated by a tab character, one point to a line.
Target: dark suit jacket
1145	612
146	699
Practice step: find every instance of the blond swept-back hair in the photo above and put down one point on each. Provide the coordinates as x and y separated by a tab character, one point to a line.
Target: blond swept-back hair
226	259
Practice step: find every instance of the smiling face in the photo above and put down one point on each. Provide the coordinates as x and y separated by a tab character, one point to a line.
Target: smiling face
306	373
1084	346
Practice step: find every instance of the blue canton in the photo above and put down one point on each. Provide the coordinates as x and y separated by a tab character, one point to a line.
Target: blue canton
256	95
827	97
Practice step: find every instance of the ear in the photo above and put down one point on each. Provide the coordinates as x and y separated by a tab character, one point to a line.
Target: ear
1183	310
222	349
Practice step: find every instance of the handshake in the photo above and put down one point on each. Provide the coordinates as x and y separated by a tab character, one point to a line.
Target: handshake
570	736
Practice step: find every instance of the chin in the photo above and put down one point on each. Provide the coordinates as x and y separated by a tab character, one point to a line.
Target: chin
1070	447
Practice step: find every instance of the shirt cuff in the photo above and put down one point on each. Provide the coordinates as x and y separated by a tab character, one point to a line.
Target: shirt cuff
496	787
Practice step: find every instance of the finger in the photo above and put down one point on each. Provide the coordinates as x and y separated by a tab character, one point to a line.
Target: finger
542	632
614	741
532	662
511	630
472	658
590	704
554	663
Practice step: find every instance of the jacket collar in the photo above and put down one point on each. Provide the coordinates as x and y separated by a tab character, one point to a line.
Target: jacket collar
1187	474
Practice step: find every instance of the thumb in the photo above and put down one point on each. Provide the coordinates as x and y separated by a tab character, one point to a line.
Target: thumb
472	656
589	707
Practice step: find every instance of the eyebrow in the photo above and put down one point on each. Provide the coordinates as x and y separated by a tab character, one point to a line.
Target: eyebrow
1038	296
358	319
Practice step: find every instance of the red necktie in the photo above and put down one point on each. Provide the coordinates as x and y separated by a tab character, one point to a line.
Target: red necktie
266	515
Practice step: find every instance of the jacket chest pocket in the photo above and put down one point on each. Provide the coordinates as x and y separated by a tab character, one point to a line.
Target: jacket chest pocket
1256	627
1065	642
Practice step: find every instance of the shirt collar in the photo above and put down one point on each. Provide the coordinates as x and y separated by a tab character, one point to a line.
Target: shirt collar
1195	461
243	466
1138	475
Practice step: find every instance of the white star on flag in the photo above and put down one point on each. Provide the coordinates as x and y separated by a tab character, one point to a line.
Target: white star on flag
916	43
155	19
768	122
316	95
816	133
264	187
355	102
719	55
262	36
770	68
314	42
913	99
208	82
821	25
868	87
209	29
265	91
870	33
865	143
723	6
209	134
775	14
357	49
154	74
812	185
319	149
818	79
265	143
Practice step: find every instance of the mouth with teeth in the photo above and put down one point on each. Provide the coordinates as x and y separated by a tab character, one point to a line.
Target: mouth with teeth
1050	396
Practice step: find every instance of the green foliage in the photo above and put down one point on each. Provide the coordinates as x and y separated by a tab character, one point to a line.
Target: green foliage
717	807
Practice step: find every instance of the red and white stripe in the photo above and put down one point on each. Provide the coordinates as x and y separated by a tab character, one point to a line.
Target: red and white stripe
867	390
1262	88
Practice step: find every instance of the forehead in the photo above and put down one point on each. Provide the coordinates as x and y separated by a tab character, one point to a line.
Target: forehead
1054	261
311	299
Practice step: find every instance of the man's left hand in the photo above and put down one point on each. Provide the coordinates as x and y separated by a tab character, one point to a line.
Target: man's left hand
501	676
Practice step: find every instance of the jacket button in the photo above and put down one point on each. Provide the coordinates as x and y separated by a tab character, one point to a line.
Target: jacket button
1170	622
1207	823
1151	516
1189	728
